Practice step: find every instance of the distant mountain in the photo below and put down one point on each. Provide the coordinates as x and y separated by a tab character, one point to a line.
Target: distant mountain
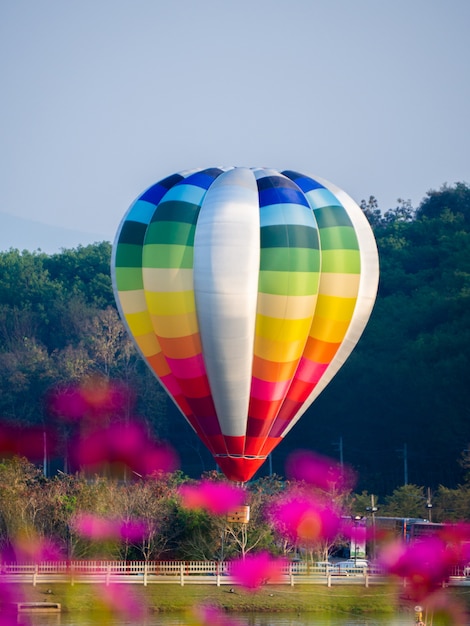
23	234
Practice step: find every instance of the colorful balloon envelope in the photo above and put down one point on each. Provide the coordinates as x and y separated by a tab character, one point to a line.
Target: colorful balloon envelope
245	290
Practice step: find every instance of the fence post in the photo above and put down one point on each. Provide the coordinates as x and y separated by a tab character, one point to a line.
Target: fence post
35	574
328	580
108	574
182	574
217	569
145	573
291	574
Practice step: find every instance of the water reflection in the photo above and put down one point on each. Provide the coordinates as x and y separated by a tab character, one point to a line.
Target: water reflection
276	619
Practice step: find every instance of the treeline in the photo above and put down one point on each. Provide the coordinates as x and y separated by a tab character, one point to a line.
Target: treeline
81	516
397	411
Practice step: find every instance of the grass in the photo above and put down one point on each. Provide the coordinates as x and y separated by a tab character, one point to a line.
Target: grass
272	598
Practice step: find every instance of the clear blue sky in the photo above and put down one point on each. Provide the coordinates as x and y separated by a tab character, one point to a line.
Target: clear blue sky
102	98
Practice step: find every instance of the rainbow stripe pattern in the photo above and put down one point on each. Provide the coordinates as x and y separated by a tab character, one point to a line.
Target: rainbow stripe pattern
244	289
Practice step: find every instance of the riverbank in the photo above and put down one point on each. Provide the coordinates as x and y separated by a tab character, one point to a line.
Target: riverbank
174	598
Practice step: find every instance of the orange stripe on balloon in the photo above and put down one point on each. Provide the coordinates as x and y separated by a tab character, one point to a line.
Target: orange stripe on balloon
273	370
181	347
320	351
158	364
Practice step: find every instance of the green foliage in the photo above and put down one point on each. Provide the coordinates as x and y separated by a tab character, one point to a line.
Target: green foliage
405	501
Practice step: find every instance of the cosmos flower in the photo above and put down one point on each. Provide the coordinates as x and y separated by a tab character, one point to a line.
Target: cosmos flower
256	570
124	446
425	564
101	528
319	471
214	497
305	519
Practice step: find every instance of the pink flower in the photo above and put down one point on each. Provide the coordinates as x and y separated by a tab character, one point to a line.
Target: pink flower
121	600
217	498
256	570
35	548
124	446
95	527
305	520
96	397
446	610
9	594
318	471
102	528
424	564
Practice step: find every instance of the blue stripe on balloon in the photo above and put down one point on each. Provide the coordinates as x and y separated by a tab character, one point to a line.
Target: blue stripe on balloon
205	178
141	211
286	213
304	182
186	193
155	193
281	194
319	198
267	182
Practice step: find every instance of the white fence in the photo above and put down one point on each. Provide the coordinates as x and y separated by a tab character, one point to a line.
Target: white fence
180	572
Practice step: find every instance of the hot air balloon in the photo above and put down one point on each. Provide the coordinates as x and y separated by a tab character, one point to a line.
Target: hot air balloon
245	290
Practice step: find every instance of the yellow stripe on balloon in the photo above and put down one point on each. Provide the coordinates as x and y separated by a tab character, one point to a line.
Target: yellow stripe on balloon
335	308
344	285
327	329
281	351
170	303
290	307
139	323
148	344
276	328
173	326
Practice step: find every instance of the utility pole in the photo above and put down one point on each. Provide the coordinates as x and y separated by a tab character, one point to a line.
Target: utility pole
339	446
405	463
404	451
429	505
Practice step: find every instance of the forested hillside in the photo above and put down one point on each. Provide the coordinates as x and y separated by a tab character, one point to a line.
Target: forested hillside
397	409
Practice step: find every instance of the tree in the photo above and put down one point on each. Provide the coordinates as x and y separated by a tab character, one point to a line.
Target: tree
406	501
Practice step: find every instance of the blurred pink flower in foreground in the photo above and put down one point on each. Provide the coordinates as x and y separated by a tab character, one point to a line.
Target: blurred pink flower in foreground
351	529
212	616
9	594
217	498
256	570
305	519
424	564
31	547
319	471
445	610
457	538
121	600
124	446
102	528
95	397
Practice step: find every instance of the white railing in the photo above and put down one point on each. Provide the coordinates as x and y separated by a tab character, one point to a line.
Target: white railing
192	572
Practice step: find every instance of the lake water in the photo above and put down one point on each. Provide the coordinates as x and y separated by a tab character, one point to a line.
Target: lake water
253	619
